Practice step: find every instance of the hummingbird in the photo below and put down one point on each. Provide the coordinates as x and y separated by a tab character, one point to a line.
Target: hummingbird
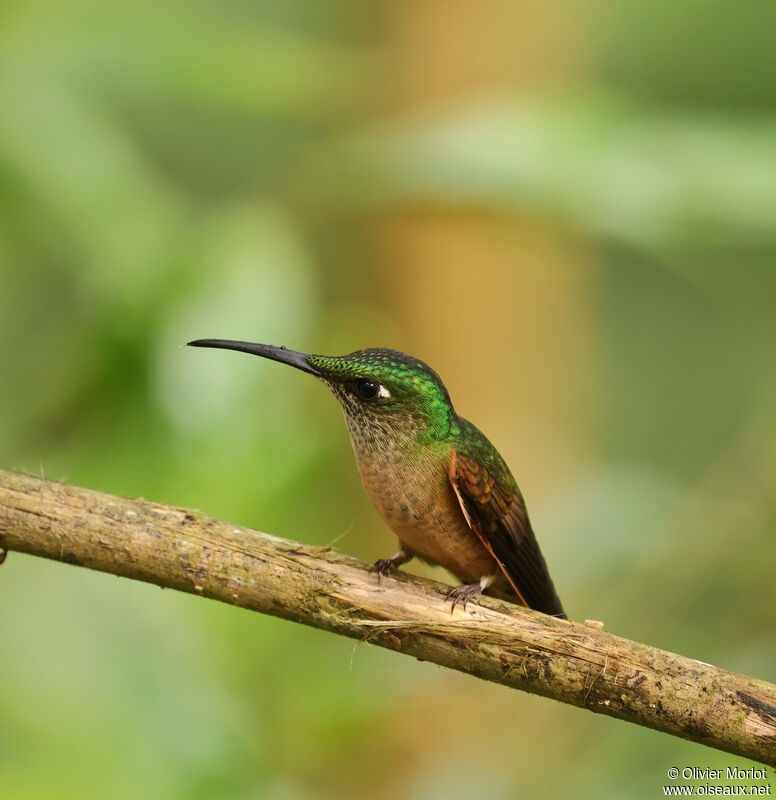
436	480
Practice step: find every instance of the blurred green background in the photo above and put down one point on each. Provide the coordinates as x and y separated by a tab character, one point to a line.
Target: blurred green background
568	209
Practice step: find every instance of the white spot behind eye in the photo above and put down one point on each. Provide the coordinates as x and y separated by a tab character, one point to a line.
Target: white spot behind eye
383	392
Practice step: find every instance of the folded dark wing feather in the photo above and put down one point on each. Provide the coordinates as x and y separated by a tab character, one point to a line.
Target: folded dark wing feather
497	514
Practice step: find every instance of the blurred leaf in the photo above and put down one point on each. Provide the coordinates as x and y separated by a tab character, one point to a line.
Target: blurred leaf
659	183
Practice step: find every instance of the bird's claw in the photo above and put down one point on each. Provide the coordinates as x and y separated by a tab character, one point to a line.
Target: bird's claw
382	567
463	593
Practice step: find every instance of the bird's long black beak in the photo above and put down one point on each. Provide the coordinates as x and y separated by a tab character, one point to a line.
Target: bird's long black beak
290	357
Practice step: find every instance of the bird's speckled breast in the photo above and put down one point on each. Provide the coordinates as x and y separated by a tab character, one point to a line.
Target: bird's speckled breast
409	486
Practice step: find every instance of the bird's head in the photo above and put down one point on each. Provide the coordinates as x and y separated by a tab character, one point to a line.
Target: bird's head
383	393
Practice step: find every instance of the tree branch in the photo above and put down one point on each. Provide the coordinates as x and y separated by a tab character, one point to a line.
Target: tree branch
573	663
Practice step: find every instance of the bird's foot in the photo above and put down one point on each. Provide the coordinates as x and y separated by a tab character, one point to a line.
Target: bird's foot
383	566
3	554
463	593
466	591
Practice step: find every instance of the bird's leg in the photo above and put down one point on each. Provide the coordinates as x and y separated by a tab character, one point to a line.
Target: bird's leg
383	566
466	591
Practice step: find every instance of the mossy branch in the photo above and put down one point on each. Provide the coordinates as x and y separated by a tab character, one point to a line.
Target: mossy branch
572	663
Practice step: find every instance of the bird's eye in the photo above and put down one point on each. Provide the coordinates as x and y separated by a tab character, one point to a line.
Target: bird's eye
367	390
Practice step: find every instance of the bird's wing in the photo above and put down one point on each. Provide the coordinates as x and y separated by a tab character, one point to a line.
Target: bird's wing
495	511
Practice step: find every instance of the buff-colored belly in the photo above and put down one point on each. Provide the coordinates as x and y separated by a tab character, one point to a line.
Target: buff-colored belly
420	506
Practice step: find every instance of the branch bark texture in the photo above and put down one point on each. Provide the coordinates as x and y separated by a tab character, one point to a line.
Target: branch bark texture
575	664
